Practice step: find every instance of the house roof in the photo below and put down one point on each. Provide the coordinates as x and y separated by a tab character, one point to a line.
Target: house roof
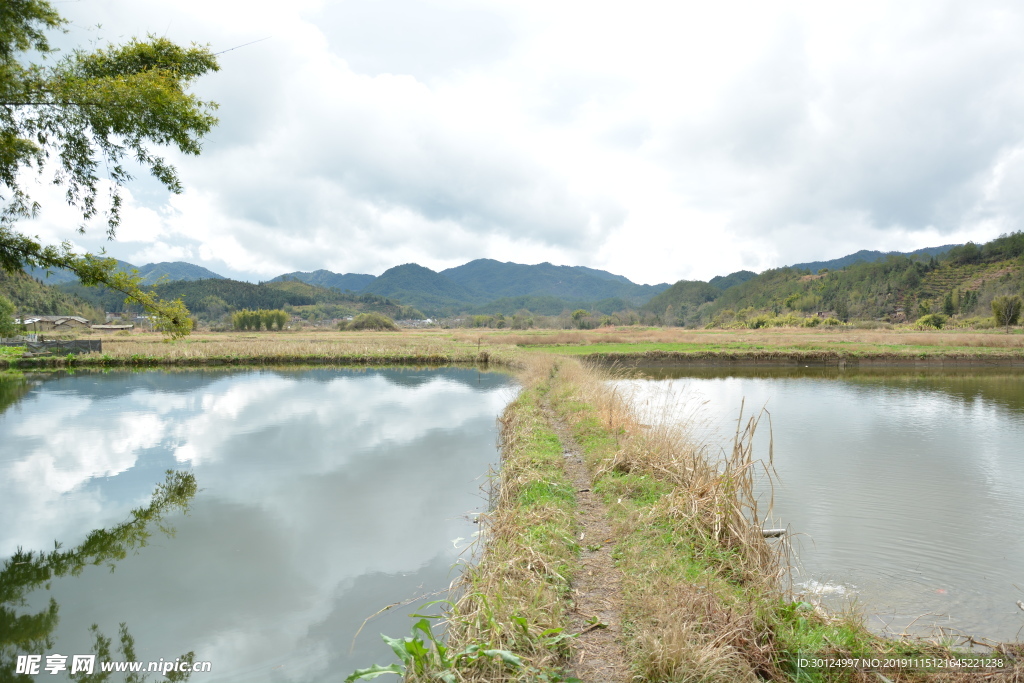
55	319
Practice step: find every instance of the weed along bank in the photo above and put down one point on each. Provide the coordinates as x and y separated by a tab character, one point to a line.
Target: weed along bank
620	550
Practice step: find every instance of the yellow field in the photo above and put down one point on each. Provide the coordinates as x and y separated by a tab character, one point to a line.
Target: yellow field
508	346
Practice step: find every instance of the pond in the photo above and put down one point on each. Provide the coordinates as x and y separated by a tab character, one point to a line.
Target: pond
316	498
903	490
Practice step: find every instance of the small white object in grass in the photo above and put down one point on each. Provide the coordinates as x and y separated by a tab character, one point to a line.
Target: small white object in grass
819	588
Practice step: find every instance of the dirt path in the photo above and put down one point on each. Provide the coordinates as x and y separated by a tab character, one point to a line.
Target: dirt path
599	654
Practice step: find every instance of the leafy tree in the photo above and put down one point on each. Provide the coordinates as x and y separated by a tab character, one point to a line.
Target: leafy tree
948	306
936	320
254	320
1006	310
73	117
7	326
579	318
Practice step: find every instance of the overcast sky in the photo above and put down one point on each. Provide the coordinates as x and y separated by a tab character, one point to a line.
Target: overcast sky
657	140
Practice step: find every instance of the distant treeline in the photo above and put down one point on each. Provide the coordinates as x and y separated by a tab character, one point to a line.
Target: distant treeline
960	282
213	300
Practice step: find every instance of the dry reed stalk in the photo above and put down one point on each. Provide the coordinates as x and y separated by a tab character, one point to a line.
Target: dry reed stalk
708	510
324	346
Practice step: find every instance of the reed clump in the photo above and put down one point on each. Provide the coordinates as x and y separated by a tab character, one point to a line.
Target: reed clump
696	566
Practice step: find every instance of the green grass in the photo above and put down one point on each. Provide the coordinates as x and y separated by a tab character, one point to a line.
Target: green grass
517	597
844	348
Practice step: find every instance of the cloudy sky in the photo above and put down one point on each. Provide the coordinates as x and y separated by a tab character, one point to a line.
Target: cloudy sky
657	140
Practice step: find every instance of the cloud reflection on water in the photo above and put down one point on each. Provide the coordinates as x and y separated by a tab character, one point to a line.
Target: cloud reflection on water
310	486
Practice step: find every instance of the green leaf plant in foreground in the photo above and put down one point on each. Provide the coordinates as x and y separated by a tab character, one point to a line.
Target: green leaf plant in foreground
87	112
424	657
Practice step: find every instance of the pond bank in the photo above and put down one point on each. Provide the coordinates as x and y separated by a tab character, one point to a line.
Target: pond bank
90	361
702	592
788	358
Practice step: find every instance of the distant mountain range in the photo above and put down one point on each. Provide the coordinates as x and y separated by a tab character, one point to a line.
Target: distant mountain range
151	273
490	286
871	257
485	281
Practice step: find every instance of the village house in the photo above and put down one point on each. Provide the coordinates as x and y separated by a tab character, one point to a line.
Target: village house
55	323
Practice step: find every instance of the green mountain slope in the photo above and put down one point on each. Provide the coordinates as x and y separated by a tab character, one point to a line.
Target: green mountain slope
151	273
678	304
961	281
871	256
724	282
492	280
421	287
32	297
210	299
355	282
175	271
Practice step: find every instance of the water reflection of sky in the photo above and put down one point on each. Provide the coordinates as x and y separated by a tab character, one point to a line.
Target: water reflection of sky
908	494
324	495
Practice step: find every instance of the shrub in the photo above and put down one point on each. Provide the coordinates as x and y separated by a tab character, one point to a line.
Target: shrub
254	320
831	322
7	326
370	321
936	320
1006	310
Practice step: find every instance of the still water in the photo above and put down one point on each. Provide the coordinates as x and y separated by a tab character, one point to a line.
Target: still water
904	490
324	495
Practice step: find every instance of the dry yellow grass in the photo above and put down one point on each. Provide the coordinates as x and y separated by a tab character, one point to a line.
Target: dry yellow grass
295	346
808	338
684	510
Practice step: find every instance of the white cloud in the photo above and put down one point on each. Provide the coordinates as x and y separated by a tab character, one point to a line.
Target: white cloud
656	140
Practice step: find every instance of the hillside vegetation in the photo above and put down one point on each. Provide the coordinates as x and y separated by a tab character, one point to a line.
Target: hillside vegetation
490	287
953	285
151	273
213	300
32	297
960	282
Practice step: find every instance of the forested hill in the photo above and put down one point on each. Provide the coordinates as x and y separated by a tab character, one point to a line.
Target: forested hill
489	286
210	299
480	286
870	256
32	297
151	273
325	278
496	280
961	280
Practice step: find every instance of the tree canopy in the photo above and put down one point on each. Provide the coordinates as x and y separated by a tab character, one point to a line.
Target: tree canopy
80	120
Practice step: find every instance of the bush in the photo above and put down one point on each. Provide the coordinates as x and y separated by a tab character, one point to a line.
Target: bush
7	326
254	320
831	322
978	323
1006	310
370	321
935	320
